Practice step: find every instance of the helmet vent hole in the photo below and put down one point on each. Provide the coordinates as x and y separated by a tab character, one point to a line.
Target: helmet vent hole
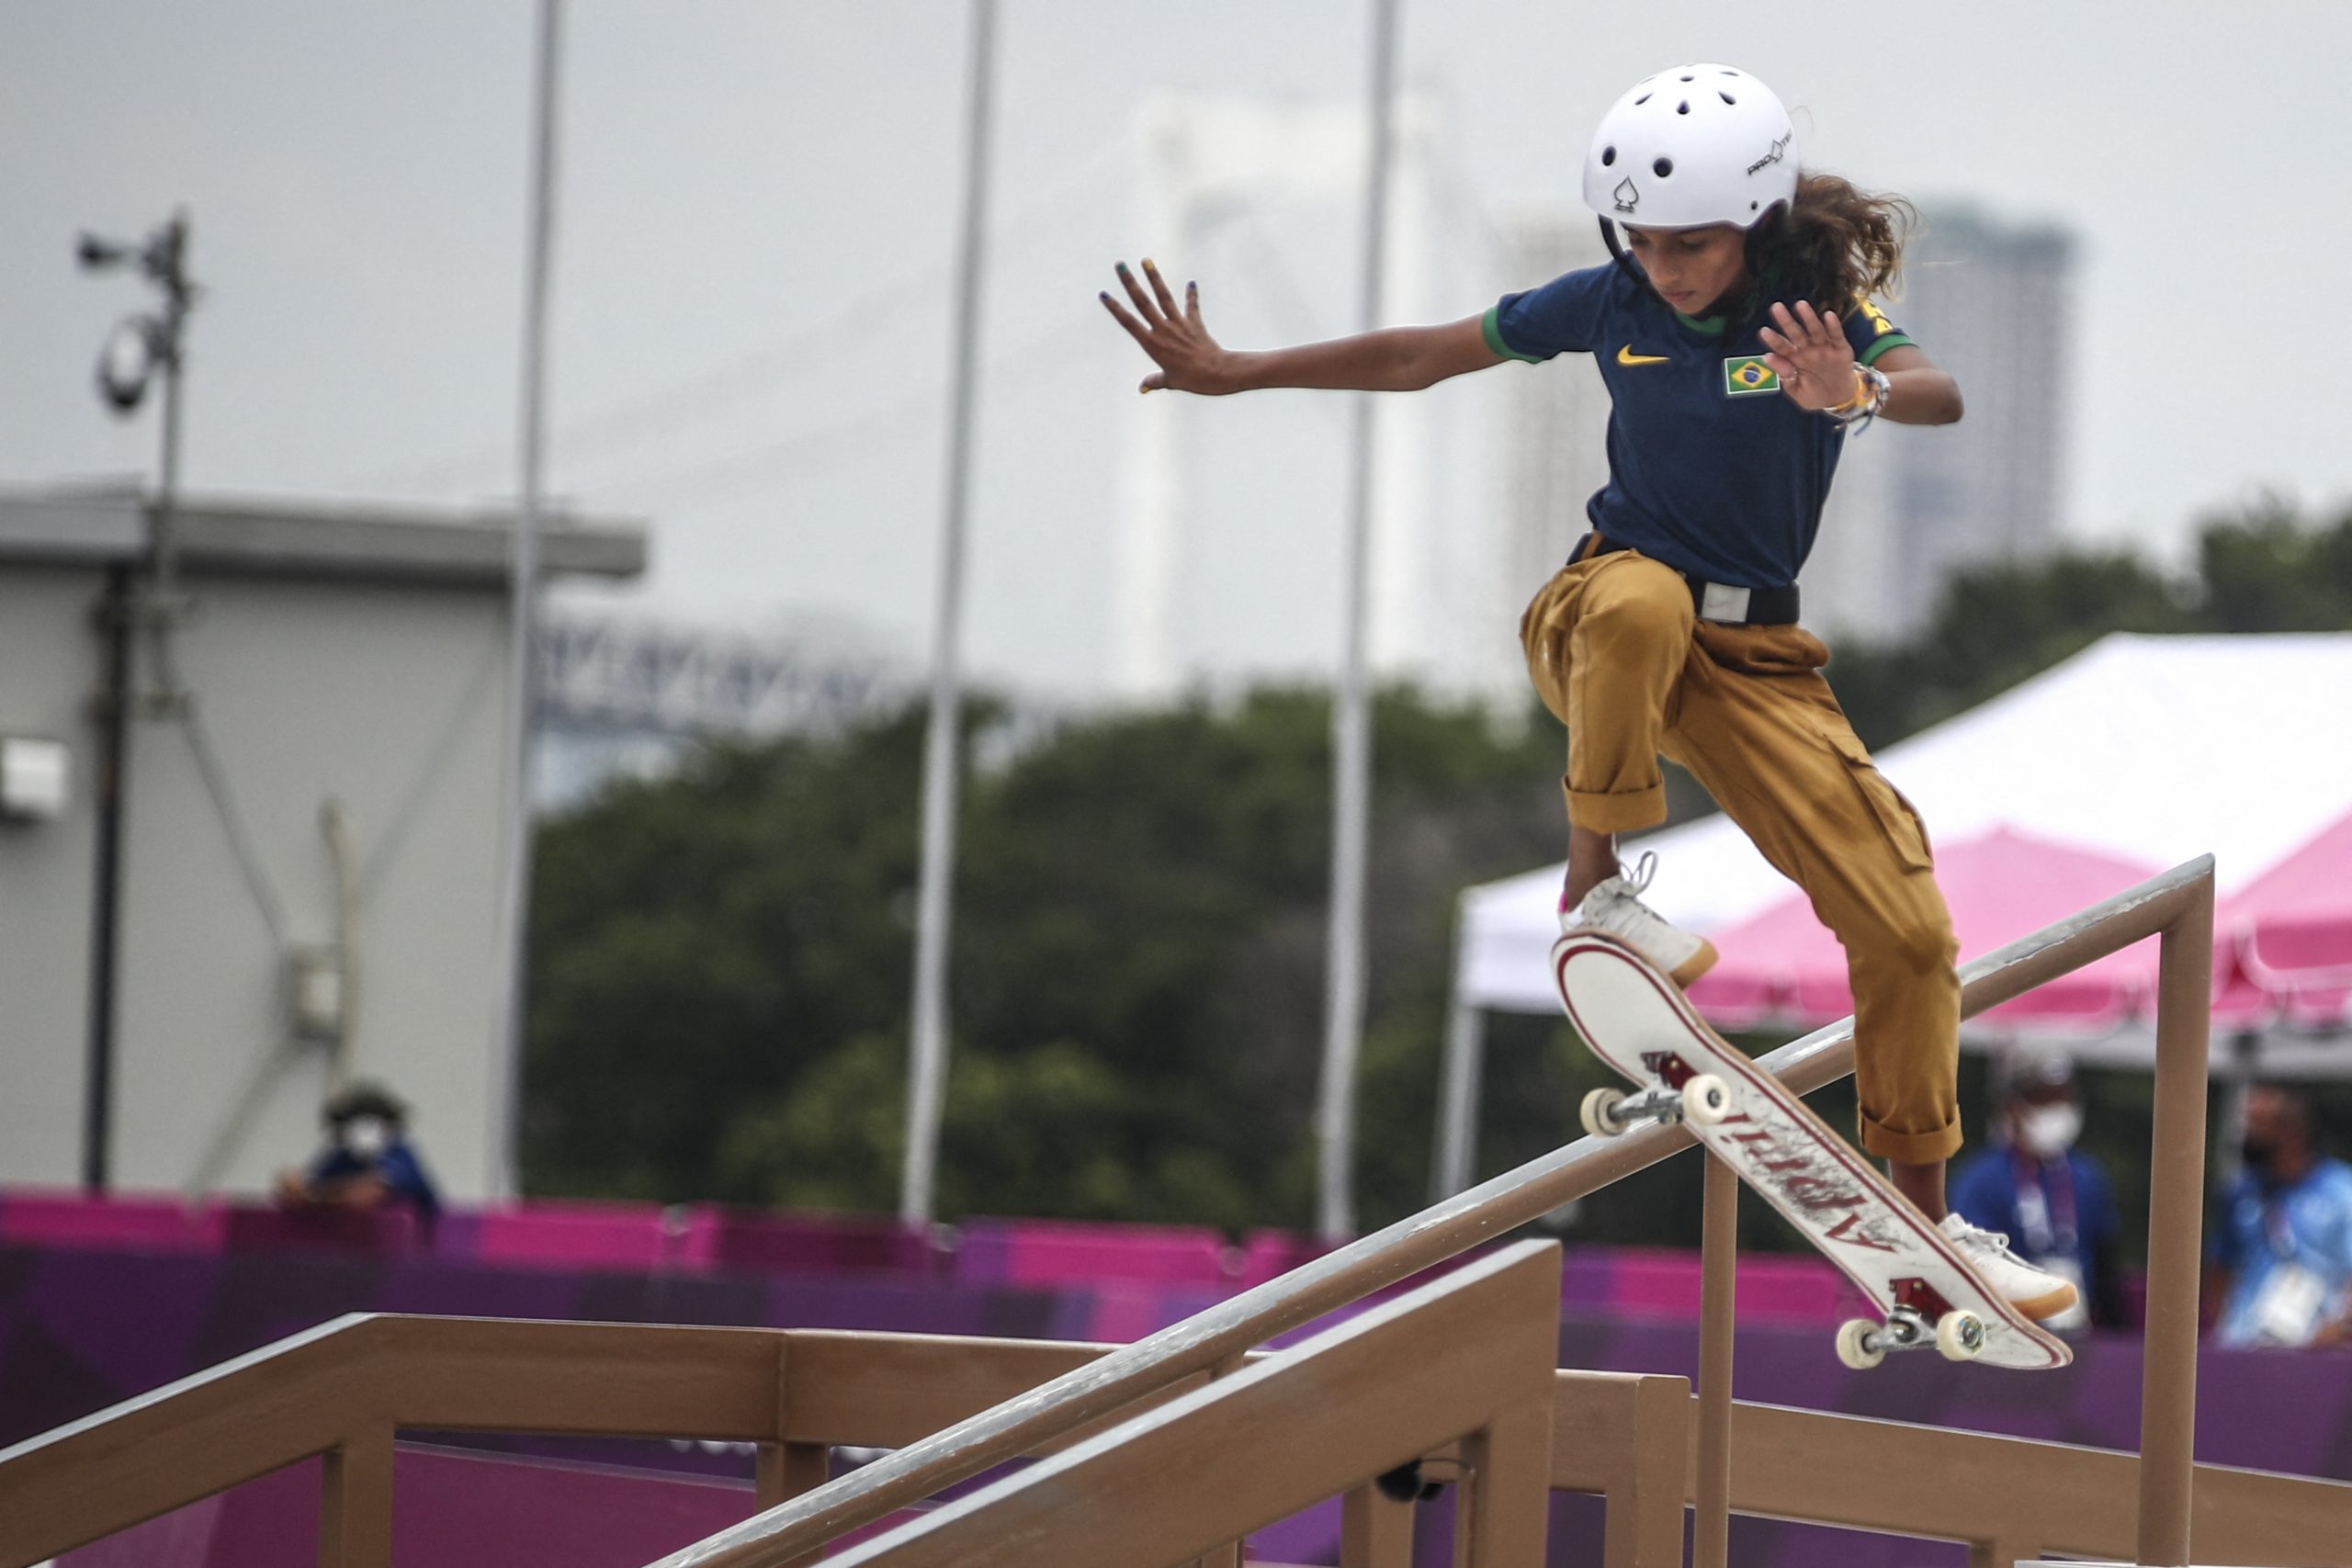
1682	107
1663	167
1643	98
1729	72
1608	157
1726	96
1689	78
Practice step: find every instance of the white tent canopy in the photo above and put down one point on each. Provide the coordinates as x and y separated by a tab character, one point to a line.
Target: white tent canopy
2155	748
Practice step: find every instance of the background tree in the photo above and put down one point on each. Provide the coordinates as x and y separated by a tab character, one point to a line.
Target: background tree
720	957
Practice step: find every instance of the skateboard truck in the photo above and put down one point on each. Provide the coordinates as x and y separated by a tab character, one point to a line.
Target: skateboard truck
1680	1095
1919	1317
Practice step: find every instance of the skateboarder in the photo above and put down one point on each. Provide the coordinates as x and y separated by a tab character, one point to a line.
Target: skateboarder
1736	332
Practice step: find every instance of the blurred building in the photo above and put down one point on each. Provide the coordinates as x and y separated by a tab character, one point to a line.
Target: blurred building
1204	164
626	696
1990	302
1552	427
307	847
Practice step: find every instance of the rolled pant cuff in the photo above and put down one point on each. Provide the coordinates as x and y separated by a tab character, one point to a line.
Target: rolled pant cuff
1911	1148
1624	813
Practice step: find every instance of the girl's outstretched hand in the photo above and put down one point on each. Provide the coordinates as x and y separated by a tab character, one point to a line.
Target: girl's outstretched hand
1811	355
1189	359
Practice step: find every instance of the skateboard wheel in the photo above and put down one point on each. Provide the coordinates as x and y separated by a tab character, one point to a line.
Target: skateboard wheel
1858	1345
1599	1112
1959	1336
1706	1099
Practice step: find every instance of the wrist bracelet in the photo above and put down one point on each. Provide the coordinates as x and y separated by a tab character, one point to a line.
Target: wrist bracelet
1867	400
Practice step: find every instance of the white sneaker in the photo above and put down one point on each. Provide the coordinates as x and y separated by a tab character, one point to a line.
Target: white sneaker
2035	1293
1616	906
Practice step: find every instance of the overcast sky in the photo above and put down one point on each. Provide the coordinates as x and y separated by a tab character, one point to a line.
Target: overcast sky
758	203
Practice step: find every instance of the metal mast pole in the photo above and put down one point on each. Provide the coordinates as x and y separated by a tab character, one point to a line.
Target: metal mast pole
1351	716
166	606
512	932
127	608
927	1056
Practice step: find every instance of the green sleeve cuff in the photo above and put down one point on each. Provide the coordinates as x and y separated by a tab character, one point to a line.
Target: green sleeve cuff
1869	356
1492	324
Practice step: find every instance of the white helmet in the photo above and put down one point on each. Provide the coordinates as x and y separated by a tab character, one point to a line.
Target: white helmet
1691	146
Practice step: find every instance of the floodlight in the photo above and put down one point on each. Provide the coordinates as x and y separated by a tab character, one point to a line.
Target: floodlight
96	253
127	363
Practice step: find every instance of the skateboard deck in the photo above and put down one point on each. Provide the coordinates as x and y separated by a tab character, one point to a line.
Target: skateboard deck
1637	1022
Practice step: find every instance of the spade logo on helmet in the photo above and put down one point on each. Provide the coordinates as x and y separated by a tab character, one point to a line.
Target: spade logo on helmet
1780	150
1627	197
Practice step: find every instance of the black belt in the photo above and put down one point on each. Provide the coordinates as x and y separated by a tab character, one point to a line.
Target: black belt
1730	606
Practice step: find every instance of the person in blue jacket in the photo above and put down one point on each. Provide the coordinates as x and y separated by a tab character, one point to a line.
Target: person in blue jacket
2052	1200
367	1162
2282	1249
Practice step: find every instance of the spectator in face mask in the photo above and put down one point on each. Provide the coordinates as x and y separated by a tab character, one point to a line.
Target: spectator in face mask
2282	1254
367	1162
2052	1200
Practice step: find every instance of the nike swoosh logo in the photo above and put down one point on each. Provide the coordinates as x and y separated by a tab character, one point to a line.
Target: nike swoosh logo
1626	355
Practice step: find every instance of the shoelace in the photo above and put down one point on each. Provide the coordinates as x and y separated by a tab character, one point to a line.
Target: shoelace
1644	869
1998	1240
1635	885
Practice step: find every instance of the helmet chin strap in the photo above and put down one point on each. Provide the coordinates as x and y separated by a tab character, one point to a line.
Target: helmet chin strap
1617	253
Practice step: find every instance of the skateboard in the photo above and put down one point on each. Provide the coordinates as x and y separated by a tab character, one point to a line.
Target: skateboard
1637	1022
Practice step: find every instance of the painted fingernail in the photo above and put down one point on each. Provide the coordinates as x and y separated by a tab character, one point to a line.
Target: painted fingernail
1123	267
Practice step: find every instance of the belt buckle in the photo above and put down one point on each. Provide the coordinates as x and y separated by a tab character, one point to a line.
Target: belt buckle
1721	602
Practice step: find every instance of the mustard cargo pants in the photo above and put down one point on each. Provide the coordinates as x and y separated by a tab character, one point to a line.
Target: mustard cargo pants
1615	648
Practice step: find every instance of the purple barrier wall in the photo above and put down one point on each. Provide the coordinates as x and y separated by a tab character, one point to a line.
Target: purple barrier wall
83	1326
455	1509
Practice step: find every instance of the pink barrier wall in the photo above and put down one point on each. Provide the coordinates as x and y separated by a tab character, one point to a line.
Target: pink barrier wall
1042	1254
1135	1271
161	1222
565	1235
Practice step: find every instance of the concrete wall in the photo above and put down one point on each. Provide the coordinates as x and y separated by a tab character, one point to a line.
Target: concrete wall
386	699
49	666
389	702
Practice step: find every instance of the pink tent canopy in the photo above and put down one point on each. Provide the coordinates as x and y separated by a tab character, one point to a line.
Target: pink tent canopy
2285	939
1781	964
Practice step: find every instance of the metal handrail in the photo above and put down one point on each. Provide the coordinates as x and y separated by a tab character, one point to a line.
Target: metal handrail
799	1527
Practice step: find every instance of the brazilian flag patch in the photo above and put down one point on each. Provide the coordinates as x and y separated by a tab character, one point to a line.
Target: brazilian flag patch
1748	375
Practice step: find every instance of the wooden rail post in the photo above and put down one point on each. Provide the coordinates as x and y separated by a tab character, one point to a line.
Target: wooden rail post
1376	1531
1718	1263
786	1470
355	1500
1229	1554
2175	1224
1502	1506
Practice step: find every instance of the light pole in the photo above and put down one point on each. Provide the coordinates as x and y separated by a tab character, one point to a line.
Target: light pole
513	930
942	748
143	347
1351	719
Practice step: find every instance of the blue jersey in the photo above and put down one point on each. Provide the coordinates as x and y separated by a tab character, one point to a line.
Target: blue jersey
2293	1244
396	1168
1711	468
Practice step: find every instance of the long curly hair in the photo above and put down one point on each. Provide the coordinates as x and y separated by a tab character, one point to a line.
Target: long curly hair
1835	243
